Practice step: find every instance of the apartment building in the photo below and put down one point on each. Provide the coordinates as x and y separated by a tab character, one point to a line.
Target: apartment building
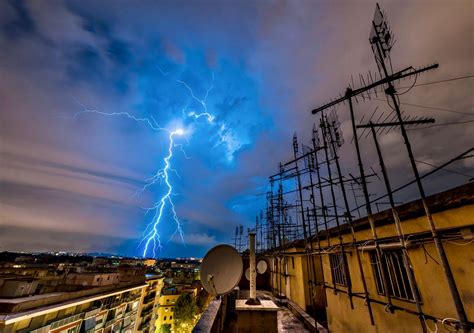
100	309
149	304
165	314
359	291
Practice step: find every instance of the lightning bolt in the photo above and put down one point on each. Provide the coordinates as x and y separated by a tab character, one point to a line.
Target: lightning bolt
202	101
224	133
151	237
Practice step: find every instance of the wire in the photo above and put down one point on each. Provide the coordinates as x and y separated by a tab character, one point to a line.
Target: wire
434	82
450	323
427	254
411	87
445	124
430	107
441	81
461	244
429	329
453	171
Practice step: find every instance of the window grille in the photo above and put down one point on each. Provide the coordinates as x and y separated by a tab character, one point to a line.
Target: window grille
395	272
339	269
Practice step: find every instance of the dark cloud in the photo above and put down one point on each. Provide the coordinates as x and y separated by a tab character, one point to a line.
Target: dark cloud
21	23
119	52
86	63
96	26
14	238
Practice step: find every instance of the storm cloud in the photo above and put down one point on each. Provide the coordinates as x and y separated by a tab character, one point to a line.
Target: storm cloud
70	183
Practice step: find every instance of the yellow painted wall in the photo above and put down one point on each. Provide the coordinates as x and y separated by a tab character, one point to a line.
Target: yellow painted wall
291	282
166	309
431	280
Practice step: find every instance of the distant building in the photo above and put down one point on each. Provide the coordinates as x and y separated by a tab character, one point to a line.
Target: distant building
92	279
149	304
58	292
149	262
167	301
184	264
131	262
100	261
17	286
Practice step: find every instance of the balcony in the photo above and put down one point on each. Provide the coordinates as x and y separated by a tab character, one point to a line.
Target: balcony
148	299
44	329
92	313
66	321
144	325
147	311
130	313
110	322
131	298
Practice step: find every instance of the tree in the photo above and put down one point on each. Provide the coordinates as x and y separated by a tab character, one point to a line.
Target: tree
184	310
202	301
165	328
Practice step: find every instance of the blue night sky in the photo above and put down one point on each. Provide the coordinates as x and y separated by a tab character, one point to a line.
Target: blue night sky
74	74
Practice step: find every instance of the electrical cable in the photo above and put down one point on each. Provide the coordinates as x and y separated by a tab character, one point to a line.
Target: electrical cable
444	124
429	329
441	81
453	171
430	107
411	87
443	322
460	244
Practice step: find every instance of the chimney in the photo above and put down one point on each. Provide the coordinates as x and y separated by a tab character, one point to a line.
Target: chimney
253	272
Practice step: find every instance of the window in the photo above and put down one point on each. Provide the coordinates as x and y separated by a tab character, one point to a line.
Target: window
395	272
339	269
171	317
164	318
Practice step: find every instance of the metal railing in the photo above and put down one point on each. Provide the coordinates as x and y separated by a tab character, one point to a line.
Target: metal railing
67	320
92	313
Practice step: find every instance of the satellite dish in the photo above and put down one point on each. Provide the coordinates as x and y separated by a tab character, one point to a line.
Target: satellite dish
262	267
247	273
221	269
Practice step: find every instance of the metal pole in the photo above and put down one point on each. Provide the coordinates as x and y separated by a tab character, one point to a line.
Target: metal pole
336	214
321	196
315	216
305	235
281	213
370	218
396	218
349	220
437	239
